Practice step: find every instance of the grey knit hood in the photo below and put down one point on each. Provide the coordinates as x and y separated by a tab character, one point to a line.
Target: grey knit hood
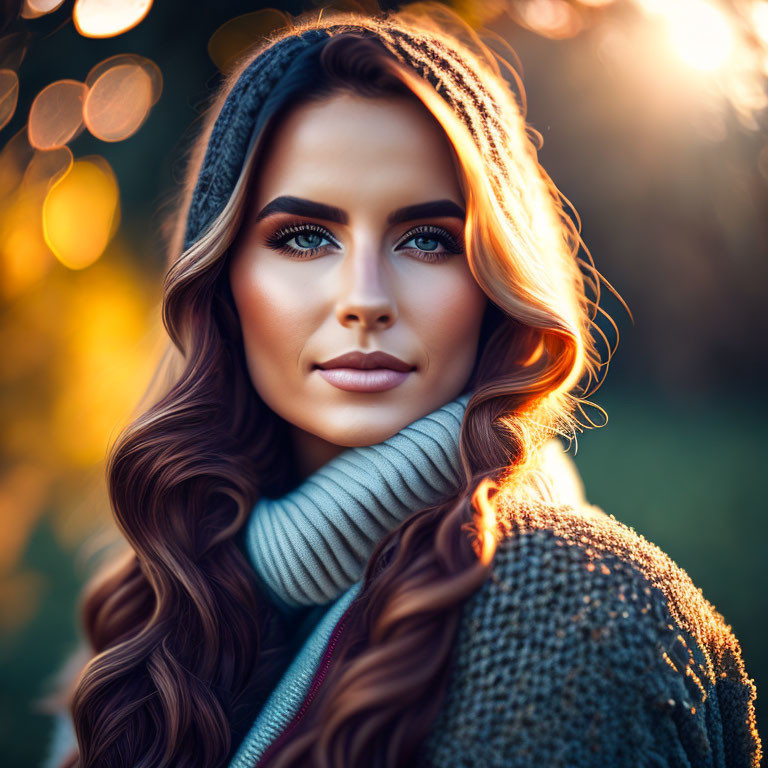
282	71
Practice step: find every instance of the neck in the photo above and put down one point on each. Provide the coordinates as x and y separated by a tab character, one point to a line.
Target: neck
311	451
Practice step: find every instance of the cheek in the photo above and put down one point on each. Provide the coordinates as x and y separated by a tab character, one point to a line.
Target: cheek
274	317
448	317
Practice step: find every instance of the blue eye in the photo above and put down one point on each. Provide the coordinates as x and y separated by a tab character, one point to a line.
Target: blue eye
425	243
430	243
302	240
308	240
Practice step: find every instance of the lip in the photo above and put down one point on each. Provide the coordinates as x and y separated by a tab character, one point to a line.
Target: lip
367	361
365	372
359	380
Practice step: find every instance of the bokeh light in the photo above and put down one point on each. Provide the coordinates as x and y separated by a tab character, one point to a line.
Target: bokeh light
9	95
26	175
132	60
56	115
29	12
118	102
551	18
230	40
700	34
81	212
41	7
107	18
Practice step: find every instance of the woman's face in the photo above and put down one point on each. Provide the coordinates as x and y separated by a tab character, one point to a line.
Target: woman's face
354	248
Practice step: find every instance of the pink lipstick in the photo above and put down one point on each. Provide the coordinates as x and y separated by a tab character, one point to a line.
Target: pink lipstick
365	372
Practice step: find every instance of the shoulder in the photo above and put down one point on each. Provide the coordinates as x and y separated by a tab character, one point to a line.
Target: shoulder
588	645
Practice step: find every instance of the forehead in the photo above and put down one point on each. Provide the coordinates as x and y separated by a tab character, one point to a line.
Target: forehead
353	151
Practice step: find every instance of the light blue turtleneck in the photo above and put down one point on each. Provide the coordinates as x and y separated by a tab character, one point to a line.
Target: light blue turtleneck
310	547
313	543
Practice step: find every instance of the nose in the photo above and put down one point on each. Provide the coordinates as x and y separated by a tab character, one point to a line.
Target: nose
365	300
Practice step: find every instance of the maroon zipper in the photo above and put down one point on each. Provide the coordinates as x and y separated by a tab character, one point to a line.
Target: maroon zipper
317	681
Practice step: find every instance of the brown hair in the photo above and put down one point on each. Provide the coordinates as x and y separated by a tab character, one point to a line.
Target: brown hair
185	646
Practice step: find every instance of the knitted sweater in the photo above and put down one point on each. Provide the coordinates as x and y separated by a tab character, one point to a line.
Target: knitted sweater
587	646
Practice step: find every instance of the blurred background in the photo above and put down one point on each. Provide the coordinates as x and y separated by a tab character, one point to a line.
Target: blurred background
653	120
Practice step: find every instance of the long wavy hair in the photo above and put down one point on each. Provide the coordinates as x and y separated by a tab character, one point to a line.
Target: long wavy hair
184	646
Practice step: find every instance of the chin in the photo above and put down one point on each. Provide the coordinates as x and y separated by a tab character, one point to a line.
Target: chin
352	430
355	437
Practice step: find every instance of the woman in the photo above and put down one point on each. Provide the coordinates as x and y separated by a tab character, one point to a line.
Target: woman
350	541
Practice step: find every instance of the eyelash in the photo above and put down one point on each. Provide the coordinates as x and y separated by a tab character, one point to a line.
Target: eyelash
278	240
280	237
443	236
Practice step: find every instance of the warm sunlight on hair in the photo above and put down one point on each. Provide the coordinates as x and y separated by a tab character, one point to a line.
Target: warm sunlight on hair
485	519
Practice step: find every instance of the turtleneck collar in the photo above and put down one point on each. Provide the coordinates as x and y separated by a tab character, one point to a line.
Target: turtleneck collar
313	543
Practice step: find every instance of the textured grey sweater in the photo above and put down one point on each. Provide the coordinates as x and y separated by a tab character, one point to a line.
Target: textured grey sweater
590	647
587	647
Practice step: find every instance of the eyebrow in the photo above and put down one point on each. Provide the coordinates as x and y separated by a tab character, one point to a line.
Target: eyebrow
427	211
299	206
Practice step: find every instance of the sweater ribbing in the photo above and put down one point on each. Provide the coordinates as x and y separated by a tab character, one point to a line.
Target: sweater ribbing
313	543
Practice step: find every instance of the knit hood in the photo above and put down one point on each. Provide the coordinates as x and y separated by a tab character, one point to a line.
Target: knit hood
282	71
287	68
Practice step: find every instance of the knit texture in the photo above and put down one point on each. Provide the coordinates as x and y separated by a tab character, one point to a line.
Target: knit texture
288	68
589	647
276	75
313	543
586	647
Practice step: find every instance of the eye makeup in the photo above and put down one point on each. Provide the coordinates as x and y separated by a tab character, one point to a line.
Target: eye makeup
280	238
450	243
